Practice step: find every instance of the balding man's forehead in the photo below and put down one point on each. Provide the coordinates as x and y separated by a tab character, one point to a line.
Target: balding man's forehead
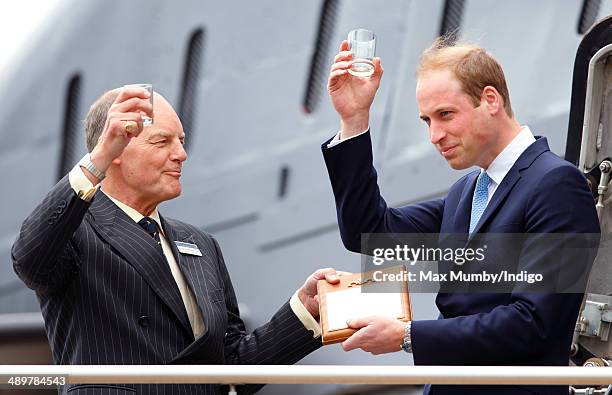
163	133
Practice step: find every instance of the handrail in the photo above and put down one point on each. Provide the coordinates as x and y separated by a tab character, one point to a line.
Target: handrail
22	325
316	374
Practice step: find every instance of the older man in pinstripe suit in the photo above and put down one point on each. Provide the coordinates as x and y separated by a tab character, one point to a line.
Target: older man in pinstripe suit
120	284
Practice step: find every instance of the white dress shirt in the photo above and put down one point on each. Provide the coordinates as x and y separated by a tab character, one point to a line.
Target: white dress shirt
503	162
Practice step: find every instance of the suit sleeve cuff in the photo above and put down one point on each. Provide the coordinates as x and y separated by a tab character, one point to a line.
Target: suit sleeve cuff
304	316
81	184
336	140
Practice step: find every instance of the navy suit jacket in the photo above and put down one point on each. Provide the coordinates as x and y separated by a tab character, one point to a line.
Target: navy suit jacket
541	194
108	297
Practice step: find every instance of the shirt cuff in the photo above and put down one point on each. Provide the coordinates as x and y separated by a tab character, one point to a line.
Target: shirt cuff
81	184
336	140
304	316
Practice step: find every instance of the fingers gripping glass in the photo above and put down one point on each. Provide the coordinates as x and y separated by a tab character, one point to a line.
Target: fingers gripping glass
362	44
146	120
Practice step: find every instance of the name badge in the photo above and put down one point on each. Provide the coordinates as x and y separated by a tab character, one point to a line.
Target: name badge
188	248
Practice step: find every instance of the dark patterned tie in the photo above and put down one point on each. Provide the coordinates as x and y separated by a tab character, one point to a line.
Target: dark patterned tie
150	226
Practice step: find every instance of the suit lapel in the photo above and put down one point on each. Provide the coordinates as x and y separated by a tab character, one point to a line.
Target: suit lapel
498	197
192	267
140	250
524	161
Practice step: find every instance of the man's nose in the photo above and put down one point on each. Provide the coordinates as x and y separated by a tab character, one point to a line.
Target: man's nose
436	134
179	153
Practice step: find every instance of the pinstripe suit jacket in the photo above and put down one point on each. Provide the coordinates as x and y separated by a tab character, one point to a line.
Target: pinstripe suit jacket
108	297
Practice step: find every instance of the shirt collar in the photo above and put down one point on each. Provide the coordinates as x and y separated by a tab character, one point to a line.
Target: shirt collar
134	214
502	164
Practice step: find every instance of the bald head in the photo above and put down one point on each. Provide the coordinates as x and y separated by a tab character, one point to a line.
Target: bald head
96	116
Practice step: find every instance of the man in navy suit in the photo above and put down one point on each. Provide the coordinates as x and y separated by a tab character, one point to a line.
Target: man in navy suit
520	187
118	283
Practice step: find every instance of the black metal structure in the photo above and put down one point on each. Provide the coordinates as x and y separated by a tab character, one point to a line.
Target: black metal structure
596	38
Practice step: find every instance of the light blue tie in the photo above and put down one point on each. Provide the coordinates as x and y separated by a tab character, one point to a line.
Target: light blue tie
479	201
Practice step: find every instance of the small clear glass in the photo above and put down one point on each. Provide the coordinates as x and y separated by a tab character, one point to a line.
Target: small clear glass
362	44
146	120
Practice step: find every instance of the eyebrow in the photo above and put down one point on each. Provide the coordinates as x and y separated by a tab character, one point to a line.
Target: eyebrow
164	134
444	107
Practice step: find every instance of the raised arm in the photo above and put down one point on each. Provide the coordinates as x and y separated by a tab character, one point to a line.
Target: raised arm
43	256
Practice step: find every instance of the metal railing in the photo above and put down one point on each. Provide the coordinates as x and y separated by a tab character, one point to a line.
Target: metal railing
315	374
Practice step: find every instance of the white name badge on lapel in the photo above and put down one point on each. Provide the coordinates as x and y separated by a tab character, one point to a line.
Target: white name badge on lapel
188	248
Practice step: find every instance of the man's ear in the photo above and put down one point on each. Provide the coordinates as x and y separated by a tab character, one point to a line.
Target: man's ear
492	99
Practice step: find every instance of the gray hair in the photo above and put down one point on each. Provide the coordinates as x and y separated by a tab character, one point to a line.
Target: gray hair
96	117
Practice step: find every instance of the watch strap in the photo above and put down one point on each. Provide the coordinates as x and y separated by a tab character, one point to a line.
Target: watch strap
407	344
89	165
